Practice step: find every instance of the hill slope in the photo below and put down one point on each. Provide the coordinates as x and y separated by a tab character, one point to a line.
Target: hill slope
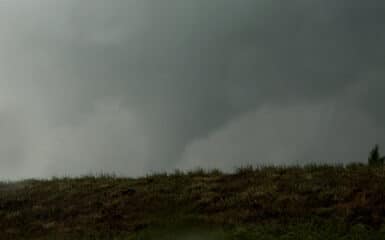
250	198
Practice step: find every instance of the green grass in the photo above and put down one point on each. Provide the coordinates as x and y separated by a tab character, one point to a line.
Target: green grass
311	202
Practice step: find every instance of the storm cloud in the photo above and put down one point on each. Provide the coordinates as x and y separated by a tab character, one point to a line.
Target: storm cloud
143	85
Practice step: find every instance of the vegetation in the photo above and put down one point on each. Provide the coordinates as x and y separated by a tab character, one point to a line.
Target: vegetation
374	157
311	202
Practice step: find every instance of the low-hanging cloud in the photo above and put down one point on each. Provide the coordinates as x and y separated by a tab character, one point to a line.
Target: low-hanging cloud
135	86
332	132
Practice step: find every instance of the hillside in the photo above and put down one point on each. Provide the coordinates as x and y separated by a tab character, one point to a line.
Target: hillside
315	201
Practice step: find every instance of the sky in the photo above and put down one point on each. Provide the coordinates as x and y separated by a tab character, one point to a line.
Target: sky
139	86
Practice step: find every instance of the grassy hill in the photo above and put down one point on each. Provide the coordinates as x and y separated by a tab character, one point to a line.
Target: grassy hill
313	202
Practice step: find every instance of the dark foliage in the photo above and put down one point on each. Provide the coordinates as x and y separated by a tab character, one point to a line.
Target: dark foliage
374	157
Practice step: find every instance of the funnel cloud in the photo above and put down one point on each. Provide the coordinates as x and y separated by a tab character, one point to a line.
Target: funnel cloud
135	86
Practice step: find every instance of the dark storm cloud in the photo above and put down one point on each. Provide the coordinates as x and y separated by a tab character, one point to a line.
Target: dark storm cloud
132	86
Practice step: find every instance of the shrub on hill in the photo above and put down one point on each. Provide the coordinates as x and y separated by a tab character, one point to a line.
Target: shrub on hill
374	157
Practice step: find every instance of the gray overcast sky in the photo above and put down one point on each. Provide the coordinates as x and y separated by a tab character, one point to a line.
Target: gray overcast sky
134	86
